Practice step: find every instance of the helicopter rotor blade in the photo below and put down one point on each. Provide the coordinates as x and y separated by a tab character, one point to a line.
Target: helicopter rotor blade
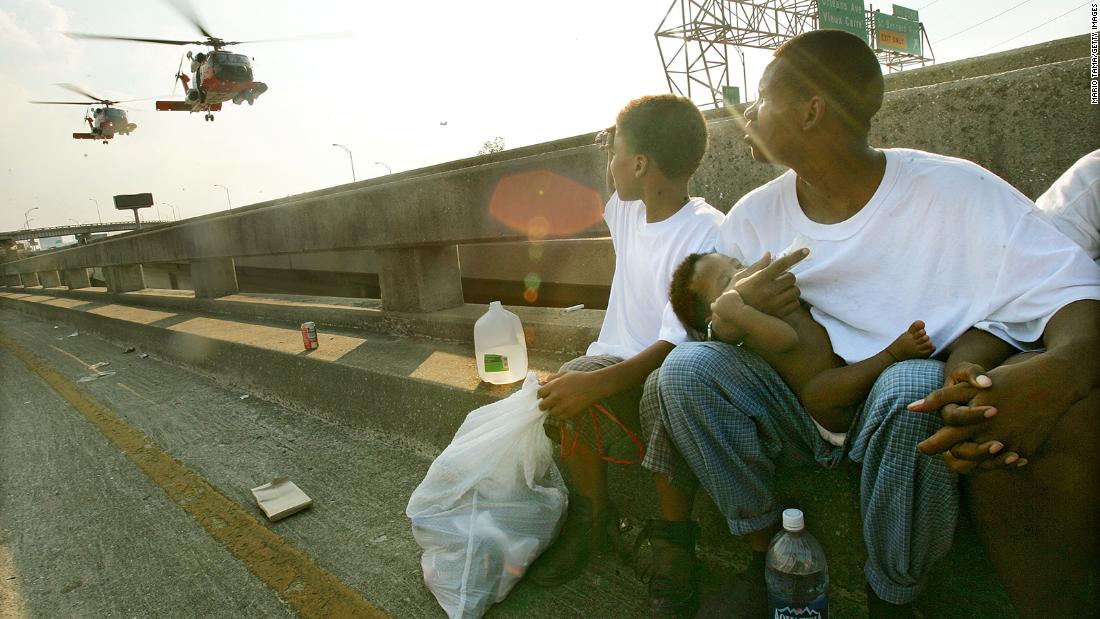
189	13
305	37
136	100
60	102
80	91
107	37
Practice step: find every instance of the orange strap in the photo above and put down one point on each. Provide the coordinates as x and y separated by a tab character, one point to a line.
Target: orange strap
599	438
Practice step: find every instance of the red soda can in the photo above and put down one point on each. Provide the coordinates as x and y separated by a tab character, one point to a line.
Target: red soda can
309	335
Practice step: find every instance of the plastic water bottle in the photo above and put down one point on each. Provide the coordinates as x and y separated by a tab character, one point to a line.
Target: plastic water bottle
797	575
499	346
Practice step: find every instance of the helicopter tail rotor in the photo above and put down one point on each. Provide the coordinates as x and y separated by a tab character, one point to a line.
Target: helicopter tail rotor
179	75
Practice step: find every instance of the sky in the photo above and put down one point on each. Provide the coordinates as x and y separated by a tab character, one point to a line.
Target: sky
525	71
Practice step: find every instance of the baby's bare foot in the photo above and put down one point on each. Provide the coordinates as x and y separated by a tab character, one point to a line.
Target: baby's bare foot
913	344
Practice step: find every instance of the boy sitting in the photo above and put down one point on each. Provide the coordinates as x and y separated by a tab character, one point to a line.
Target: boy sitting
653	150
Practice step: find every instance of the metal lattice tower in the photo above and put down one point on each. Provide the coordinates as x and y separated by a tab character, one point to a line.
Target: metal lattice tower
695	35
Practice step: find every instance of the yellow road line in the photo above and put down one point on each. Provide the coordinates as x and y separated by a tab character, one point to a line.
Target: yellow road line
135	393
289	572
82	362
11	594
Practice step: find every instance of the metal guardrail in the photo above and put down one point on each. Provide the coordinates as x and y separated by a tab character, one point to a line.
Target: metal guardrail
56	231
415	221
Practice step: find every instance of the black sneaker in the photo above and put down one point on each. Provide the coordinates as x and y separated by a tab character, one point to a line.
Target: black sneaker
878	608
735	596
580	538
673	577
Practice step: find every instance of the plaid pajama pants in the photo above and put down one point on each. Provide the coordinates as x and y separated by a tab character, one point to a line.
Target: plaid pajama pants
731	419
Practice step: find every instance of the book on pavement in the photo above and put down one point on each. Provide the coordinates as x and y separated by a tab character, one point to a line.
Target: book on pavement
280	498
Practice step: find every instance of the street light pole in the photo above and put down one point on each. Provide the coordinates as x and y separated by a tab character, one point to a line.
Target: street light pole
384	165
226	195
26	220
350	158
97	209
175	213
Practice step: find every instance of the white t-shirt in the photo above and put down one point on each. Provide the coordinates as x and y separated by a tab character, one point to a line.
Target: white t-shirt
1073	203
942	240
638	311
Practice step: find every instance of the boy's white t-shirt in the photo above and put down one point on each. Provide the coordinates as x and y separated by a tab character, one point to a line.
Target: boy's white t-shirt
1073	203
942	240
638	311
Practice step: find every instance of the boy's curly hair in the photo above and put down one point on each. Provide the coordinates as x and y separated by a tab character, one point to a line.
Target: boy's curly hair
686	304
669	129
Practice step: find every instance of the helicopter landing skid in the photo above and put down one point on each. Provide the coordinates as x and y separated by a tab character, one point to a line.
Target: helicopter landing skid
92	136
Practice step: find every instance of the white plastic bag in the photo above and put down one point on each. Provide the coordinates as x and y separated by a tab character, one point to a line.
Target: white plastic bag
490	503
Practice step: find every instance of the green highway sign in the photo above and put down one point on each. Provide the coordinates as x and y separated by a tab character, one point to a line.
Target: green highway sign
897	34
904	13
731	95
847	15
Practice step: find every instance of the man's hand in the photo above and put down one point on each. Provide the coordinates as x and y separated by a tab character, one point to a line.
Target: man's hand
960	385
1002	424
569	394
767	286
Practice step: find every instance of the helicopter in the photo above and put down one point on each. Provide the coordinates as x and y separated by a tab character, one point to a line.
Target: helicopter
217	75
103	122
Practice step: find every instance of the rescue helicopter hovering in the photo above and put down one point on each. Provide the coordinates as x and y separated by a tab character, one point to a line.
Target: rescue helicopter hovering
217	75
103	122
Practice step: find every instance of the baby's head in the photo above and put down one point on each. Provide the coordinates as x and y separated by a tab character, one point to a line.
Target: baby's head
696	283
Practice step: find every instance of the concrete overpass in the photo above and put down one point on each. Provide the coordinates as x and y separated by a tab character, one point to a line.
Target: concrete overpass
399	365
82	232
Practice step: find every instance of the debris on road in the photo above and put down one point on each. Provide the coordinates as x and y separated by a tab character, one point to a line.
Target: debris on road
244	397
98	375
73	334
280	498
129	349
96	366
144	355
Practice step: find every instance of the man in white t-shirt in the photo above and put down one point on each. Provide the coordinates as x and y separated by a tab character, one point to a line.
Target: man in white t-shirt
654	149
1073	203
894	236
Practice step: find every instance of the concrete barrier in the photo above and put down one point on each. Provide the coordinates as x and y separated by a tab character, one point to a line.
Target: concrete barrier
1026	124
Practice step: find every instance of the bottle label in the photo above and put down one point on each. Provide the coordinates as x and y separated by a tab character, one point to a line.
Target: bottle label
496	363
782	609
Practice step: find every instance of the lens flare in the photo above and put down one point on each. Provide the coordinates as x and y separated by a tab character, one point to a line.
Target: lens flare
538	228
535	251
543	203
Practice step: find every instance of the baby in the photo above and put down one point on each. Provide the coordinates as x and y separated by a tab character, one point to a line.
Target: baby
796	346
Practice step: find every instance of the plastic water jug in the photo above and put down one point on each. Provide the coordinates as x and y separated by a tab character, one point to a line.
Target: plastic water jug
499	346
